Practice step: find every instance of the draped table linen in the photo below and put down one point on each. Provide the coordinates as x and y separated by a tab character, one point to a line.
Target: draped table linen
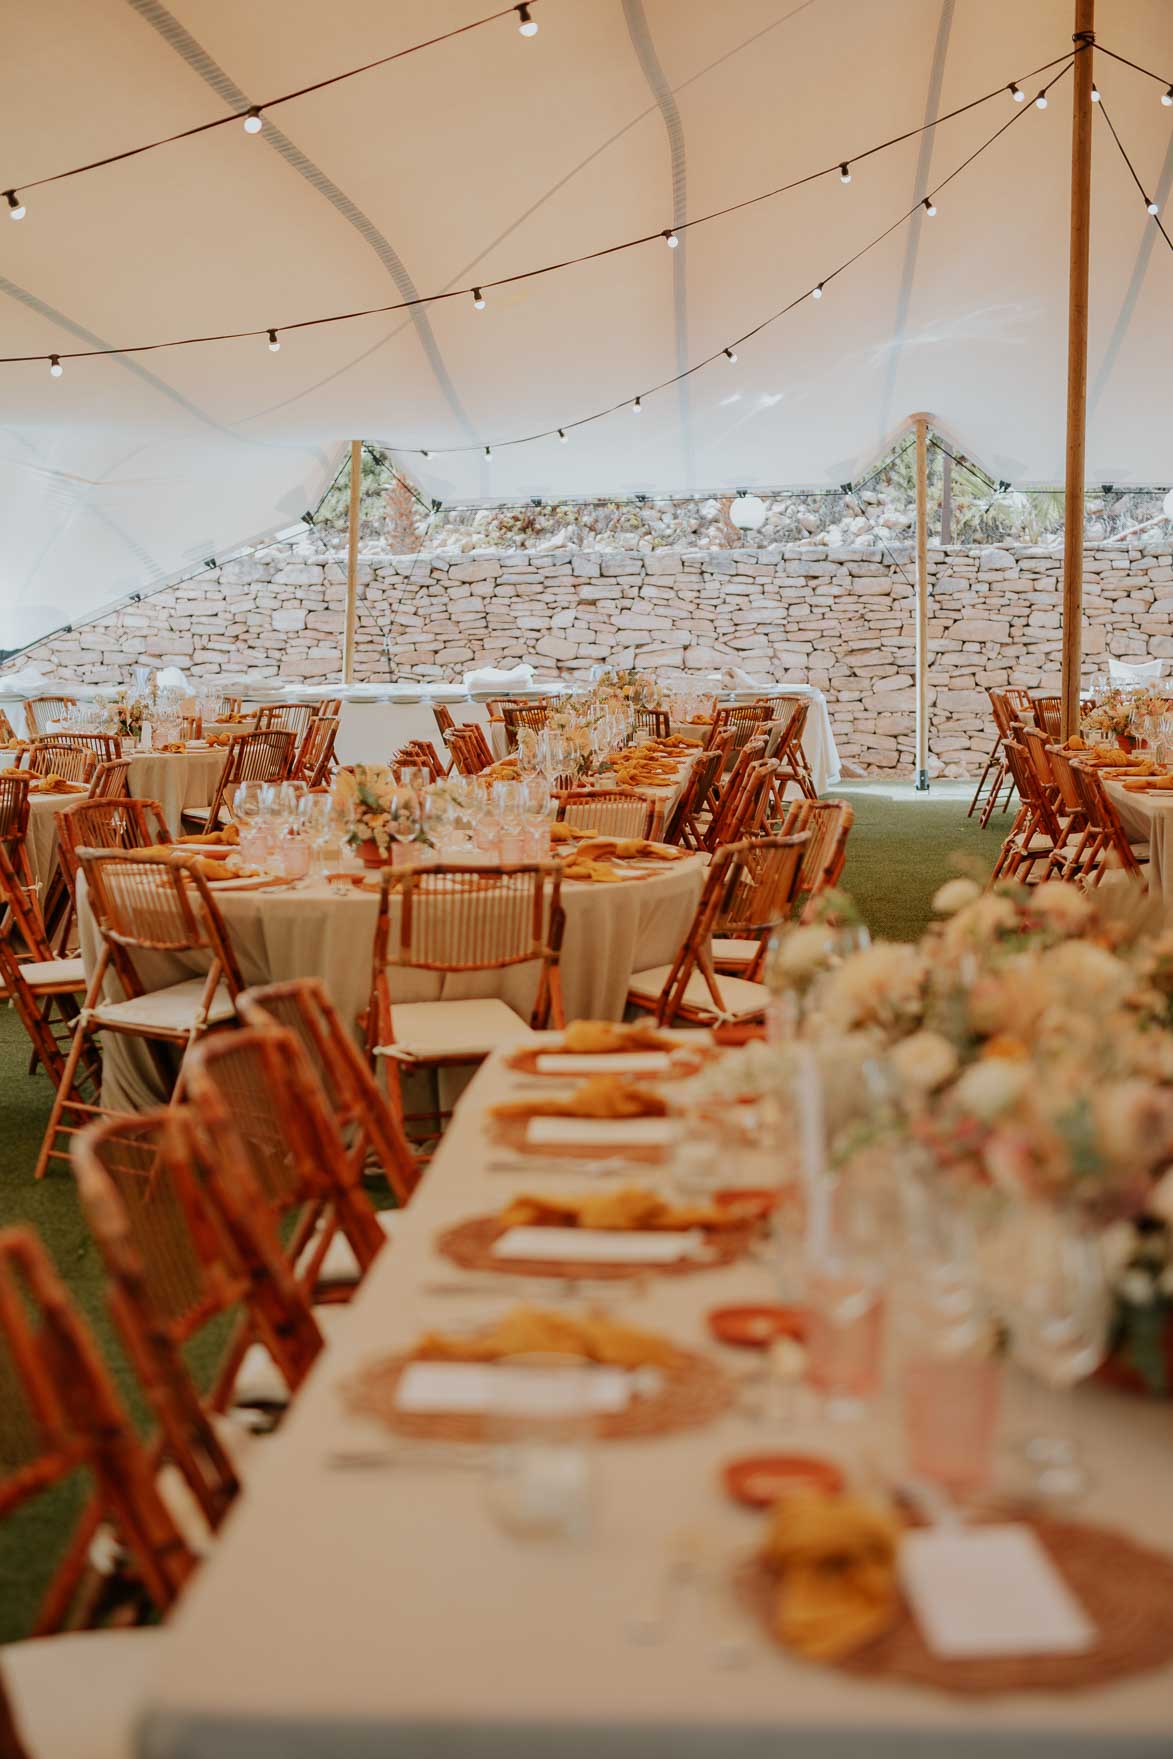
365	1612
1148	818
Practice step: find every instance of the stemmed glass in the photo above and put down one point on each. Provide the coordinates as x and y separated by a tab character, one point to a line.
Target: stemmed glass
404	817
1058	1307
315	820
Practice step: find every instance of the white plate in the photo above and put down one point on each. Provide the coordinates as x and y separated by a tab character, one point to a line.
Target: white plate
600	1132
600	1246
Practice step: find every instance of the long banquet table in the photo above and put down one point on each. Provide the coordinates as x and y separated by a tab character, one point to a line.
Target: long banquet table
1148	817
352	1613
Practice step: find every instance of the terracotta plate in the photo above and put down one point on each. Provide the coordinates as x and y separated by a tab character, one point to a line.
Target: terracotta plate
757	1327
759	1480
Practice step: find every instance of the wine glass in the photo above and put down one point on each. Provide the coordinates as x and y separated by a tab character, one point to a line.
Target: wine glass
315	820
404	819
246	802
1058	1308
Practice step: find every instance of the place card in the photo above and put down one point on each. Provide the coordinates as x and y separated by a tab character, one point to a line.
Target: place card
601	1245
604	1063
989	1591
600	1132
467	1387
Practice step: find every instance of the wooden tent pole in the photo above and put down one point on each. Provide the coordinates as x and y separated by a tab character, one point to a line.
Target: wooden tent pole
352	561
922	604
1077	303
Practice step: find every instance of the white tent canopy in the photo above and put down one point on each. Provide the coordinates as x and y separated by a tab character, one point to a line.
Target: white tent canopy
492	154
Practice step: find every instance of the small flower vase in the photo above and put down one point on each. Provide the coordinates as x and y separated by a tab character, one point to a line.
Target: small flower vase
1127	741
370	854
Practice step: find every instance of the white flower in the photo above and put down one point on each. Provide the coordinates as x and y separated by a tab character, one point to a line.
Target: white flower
1137	1288
955	895
990	1088
879	985
1092	976
924	1061
1060	905
802	951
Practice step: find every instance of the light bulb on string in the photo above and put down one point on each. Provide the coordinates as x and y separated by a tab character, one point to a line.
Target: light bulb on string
637	406
55	367
527	26
254	121
731	355
16	208
1152	206
930	207
1041	101
1095	94
562	435
1167	97
488	451
1016	92
670	239
274	343
817	292
478	299
845	173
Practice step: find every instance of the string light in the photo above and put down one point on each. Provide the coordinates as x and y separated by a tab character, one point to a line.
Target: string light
562	435
16	208
1152	206
670	239
424	453
1095	94
274	344
1167	97
817	292
637	407
731	355
526	25
55	367
930	207
1041	101
845	173
478	299
254	121
1016	92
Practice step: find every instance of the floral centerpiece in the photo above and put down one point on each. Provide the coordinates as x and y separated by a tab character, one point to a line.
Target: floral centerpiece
1112	717
127	709
362	795
1024	1056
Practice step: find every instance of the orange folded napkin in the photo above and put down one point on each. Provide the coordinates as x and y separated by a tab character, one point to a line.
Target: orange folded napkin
591	872
564	833
836	1557
55	784
229	834
629	1210
1146	784
584	1038
629	849
602	1096
536	1331
177	747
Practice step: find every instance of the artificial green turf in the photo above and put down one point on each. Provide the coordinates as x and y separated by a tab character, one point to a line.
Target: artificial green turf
899	851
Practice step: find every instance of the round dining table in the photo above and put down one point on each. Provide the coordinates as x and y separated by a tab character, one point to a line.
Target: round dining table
325	928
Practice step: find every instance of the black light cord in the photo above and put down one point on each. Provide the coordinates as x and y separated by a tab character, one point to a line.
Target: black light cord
1144	194
477	292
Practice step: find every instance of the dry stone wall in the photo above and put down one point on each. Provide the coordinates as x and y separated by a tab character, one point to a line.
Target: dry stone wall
841	619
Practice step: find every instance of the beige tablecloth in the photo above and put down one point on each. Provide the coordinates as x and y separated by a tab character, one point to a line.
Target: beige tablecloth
818	739
314	930
357	1614
41	842
175	779
1149	818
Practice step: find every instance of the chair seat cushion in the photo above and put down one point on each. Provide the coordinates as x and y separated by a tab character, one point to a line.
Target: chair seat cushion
453	1029
260	1382
340	1266
49	973
729	952
238	1442
741	999
79	1696
167	1010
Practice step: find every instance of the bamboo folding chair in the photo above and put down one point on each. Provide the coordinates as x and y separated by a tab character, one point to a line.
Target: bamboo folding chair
230	705
59	1414
1080	847
286	717
72	763
314	764
1007	715
111	781
46	991
1048	715
420	754
656	722
744	721
329	706
7	730
1037	834
181	1249
106	747
118	823
749	893
444	721
371	1132
613	812
742	800
14	824
684	827
516	715
453	922
252	757
144	907
1109	847
260	1085
40	710
787	752
470	749
827	825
